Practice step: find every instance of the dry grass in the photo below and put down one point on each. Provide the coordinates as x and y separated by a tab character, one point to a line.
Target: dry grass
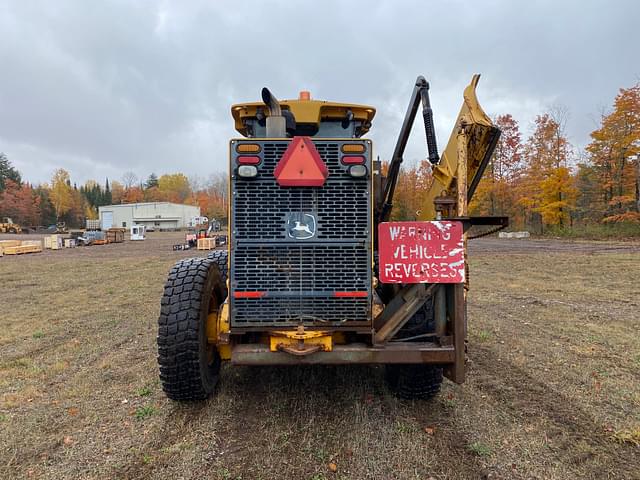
553	390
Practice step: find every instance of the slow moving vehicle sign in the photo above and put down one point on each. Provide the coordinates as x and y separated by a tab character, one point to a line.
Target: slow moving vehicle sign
421	252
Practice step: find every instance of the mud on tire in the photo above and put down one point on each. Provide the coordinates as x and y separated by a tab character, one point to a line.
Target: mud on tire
189	366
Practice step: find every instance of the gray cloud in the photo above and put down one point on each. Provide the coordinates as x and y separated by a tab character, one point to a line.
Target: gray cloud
100	88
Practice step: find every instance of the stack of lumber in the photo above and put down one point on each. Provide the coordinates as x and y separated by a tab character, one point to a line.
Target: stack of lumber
17	247
8	243
206	243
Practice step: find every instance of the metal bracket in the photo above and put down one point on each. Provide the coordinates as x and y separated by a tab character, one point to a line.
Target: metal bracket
403	306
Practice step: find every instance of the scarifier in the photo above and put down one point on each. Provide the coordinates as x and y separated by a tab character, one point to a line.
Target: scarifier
315	273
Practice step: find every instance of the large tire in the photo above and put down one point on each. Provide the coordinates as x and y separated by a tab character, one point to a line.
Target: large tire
415	381
189	365
12	230
220	258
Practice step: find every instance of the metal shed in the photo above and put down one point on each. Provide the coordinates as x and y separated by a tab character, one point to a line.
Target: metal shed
153	215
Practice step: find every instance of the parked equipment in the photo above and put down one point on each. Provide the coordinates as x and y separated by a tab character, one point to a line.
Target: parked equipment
315	272
8	226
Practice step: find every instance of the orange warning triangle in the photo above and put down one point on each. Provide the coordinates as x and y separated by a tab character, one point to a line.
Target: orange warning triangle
301	165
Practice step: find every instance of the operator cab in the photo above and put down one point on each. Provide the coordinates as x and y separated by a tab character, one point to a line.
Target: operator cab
304	117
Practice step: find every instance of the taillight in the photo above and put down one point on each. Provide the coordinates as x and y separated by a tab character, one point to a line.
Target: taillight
352	148
353	160
248	160
248	148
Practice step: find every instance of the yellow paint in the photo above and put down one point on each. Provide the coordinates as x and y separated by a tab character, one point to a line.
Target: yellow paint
479	127
223	321
217	329
225	352
300	336
306	111
212	327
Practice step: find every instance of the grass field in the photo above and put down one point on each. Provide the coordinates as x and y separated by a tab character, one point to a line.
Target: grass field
553	389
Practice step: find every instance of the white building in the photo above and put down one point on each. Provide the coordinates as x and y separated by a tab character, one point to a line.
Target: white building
153	215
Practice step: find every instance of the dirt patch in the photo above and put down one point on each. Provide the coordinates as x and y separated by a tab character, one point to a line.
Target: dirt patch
554	360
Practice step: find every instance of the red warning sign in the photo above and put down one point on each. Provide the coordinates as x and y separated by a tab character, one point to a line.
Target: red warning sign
421	252
301	165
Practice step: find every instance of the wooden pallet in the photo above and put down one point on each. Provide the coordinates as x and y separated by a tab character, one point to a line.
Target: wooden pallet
19	250
206	243
99	242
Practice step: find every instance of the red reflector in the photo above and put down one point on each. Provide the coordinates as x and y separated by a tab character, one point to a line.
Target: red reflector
246	160
301	165
248	294
352	160
350	294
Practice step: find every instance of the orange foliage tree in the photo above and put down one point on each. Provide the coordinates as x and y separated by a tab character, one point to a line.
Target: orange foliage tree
614	154
497	191
20	202
547	191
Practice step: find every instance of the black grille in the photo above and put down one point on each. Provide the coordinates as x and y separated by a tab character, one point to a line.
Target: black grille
293	268
300	277
289	311
340	207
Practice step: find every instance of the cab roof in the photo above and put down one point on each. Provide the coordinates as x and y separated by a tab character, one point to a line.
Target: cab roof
306	112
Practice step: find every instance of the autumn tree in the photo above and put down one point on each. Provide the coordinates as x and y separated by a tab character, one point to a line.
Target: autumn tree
61	192
133	195
20	202
411	189
497	191
117	193
174	187
548	193
614	153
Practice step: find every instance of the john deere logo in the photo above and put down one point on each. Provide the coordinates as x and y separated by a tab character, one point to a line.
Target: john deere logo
301	226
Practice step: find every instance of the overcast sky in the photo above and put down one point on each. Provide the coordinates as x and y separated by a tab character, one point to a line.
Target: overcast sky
104	87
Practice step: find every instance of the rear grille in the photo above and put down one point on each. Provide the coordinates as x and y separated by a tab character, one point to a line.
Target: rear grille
300	277
290	311
340	207
295	268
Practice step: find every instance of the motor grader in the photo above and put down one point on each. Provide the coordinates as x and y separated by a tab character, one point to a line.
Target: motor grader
315	271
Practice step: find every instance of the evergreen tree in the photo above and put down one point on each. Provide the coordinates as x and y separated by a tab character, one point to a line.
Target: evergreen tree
8	172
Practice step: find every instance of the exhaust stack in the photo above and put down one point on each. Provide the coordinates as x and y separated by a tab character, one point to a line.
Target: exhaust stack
276	122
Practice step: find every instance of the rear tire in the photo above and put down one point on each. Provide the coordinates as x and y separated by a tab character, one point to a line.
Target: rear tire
189	365
220	257
415	381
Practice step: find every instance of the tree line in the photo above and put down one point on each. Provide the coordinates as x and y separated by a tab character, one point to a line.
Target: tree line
543	183
60	200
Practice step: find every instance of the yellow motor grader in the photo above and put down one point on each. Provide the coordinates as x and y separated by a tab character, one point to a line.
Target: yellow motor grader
315	273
